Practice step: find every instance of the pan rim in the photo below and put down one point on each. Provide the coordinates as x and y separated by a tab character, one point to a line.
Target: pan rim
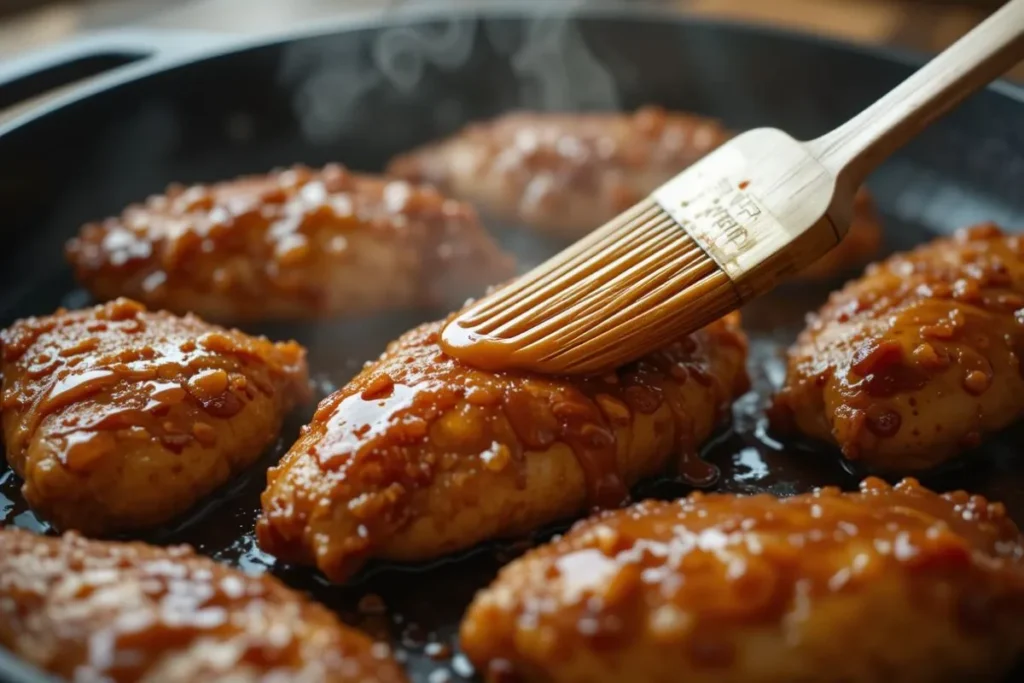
435	9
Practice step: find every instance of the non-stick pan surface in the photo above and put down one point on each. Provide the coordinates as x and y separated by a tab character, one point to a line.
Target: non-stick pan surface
183	110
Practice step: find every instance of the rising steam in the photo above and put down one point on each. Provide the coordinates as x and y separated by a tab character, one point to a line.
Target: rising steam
555	68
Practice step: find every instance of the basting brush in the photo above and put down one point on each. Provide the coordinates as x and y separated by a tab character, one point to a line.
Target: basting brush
728	229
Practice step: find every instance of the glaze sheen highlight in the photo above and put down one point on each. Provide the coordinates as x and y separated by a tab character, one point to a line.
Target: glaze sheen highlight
119	418
127	612
919	359
421	455
290	245
889	583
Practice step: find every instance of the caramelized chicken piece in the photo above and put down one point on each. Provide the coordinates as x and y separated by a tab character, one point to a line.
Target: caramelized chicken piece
290	245
566	174
917	360
421	456
888	584
127	612
118	418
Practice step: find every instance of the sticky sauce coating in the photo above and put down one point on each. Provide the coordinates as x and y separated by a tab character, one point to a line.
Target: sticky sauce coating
567	174
294	244
889	583
119	418
919	359
127	612
420	455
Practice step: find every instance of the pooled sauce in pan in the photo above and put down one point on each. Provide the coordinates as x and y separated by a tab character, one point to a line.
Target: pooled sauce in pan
417	609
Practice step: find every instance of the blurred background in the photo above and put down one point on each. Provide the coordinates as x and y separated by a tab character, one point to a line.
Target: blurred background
925	25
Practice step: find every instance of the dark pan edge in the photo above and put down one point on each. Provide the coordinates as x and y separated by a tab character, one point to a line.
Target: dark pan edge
437	9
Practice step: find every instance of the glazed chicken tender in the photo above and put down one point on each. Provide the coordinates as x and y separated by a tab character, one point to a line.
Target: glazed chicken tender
118	418
421	456
128	612
567	174
297	244
888	584
917	360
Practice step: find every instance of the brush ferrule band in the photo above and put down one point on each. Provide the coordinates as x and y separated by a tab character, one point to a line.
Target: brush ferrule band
718	220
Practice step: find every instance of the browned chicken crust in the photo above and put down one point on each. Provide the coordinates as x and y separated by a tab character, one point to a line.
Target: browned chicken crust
888	584
566	174
421	456
118	418
293	244
128	612
917	360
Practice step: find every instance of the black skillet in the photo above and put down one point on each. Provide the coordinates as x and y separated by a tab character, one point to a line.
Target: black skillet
194	108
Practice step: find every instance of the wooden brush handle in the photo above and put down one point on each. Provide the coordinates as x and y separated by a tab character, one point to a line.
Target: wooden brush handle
857	147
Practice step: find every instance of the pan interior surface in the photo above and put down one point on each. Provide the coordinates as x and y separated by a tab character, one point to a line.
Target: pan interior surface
360	95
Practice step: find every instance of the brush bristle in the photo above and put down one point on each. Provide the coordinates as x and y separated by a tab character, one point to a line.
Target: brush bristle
657	283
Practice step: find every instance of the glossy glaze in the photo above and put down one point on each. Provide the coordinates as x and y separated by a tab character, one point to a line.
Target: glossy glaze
126	612
123	145
420	455
918	360
119	418
293	244
421	606
885	584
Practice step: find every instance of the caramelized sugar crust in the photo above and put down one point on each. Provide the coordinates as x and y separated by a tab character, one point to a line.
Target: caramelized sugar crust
128	612
119	418
294	244
917	360
885	584
420	455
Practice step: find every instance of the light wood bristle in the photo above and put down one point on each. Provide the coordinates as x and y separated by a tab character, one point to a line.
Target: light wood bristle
576	261
645	257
